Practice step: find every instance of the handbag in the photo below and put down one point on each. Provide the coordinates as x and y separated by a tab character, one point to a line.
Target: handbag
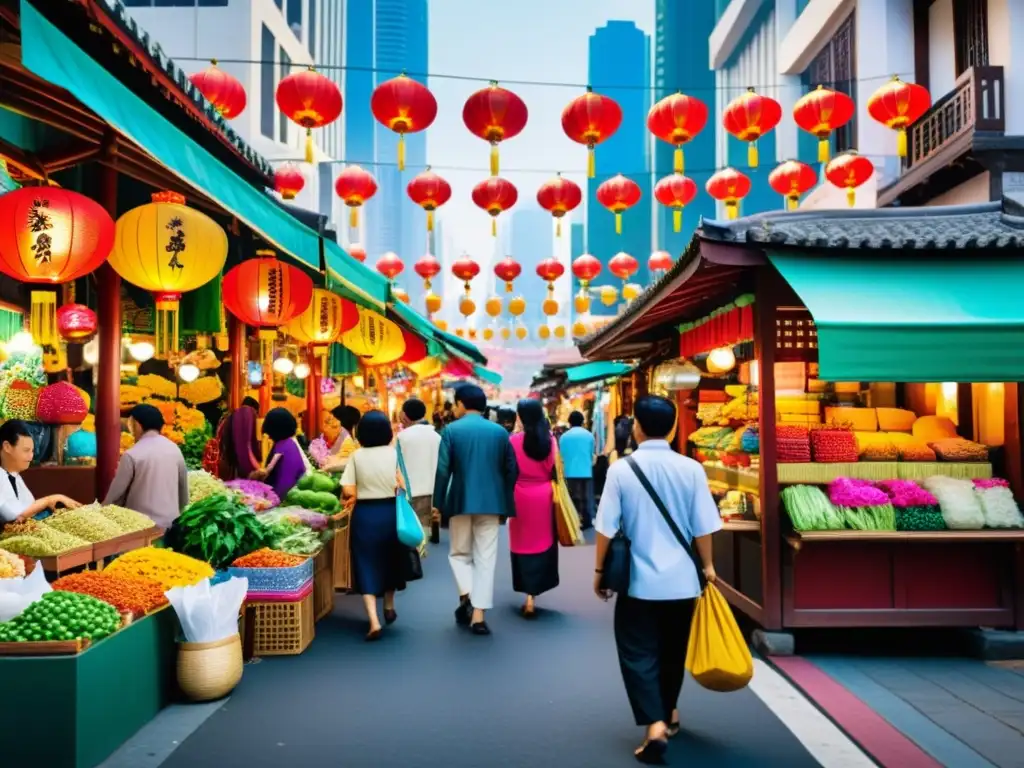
410	532
717	656
567	520
412	566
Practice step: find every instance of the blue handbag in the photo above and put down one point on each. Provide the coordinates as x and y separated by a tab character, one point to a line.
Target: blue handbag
410	532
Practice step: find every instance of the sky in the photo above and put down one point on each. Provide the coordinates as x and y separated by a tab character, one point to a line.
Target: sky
526	40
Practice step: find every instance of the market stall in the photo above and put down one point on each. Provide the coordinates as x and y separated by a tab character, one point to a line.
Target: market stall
857	410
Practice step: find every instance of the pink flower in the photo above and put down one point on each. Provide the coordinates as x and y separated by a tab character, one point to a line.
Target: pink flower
991	482
849	492
907	493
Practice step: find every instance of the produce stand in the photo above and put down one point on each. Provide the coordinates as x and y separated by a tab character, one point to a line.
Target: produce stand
899	304
73	711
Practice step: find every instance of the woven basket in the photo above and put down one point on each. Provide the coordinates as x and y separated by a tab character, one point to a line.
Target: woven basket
208	671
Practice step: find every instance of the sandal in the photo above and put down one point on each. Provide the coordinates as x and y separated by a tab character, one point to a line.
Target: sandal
672	730
390	616
652	752
374	634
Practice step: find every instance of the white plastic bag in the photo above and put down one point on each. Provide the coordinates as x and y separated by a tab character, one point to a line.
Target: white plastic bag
961	509
18	594
206	613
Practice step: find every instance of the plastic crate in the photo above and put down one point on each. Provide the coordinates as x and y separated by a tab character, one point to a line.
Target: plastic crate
277	580
280	597
282	629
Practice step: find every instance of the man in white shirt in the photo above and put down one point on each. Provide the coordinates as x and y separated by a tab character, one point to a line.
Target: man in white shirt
420	444
16	452
652	621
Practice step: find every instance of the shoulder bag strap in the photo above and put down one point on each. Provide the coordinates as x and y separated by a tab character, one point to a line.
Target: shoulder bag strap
401	467
668	518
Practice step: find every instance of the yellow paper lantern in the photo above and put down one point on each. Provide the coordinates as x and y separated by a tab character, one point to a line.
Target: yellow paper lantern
488	334
559	331
543	332
472	334
582	303
442	324
425	368
630	291
433	302
460	332
467	306
321	322
549	307
493	306
517	306
579	329
521	333
168	248
375	339
506	334
609	295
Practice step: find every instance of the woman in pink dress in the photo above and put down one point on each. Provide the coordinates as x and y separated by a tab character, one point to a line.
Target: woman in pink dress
531	532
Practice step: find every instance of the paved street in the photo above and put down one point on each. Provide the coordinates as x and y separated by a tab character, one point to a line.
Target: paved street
429	694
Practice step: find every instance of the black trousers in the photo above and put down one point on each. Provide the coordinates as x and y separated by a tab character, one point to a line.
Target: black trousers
581	490
651	638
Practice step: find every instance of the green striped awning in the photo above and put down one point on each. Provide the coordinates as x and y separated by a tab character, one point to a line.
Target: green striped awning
486	374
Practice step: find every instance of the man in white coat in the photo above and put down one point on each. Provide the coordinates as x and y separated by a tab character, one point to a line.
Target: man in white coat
420	443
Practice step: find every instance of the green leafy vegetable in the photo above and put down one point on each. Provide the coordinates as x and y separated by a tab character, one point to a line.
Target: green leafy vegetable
219	529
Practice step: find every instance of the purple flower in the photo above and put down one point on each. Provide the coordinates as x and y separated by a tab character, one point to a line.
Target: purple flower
849	492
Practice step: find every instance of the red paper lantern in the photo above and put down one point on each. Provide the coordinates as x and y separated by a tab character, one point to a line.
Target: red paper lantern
659	262
357	252
729	186
623	266
405	106
465	269
820	112
266	293
495	195
76	322
792	179
355	186
897	105
48	236
508	269
428	268
559	196
676	119
310	100
429	191
618	194
676	192
222	90
288	181
586	268
848	171
415	349
749	117
550	269
494	114
590	119
390	265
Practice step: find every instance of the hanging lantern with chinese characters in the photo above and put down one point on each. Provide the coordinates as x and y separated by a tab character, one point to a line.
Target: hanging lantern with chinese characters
224	91
676	192
403	105
749	117
51	236
898	105
820	112
374	339
169	249
322	322
559	196
495	195
310	100
618	194
729	186
550	269
495	114
466	269
428	268
429	191
586	268
288	181
266	293
677	119
849	171
791	179
355	186
590	119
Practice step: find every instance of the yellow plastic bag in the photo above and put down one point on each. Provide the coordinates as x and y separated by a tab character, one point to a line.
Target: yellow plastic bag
717	655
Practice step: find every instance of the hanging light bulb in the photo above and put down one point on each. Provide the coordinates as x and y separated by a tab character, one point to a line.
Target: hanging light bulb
21	342
187	372
721	360
284	365
142	351
91	352
301	371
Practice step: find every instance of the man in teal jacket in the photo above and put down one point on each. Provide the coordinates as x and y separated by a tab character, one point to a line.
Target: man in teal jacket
473	489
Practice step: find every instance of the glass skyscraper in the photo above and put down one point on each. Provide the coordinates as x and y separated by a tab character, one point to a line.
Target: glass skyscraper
620	68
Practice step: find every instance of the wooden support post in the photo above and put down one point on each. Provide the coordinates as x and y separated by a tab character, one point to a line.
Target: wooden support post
765	312
108	382
236	374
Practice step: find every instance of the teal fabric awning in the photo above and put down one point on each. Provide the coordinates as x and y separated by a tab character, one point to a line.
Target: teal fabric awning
912	317
486	374
597	371
354	280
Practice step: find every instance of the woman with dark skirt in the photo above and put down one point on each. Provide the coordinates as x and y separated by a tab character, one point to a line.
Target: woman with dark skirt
368	486
532	538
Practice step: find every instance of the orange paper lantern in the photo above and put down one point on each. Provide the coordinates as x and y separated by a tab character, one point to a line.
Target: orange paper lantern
897	105
675	192
676	119
729	186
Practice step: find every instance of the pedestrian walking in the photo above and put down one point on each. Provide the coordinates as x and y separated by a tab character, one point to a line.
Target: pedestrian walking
473	488
420	446
532	540
652	620
579	449
507	419
368	487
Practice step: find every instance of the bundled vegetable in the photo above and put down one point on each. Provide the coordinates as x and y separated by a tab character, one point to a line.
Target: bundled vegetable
202	484
33	539
320	482
85	523
315	520
268	558
255	494
62	616
127	593
218	529
810	510
288	534
11	566
170	569
863	506
322	501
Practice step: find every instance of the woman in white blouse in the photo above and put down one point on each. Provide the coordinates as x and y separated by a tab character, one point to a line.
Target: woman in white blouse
368	487
16	501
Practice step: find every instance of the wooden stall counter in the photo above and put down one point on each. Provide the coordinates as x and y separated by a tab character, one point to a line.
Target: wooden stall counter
78	483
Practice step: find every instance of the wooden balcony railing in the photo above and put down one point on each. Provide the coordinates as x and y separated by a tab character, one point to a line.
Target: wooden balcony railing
976	103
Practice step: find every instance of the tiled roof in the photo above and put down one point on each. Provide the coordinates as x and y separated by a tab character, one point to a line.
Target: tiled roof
956	227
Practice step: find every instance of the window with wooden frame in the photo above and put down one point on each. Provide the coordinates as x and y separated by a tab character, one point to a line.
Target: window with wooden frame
835	67
970	34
